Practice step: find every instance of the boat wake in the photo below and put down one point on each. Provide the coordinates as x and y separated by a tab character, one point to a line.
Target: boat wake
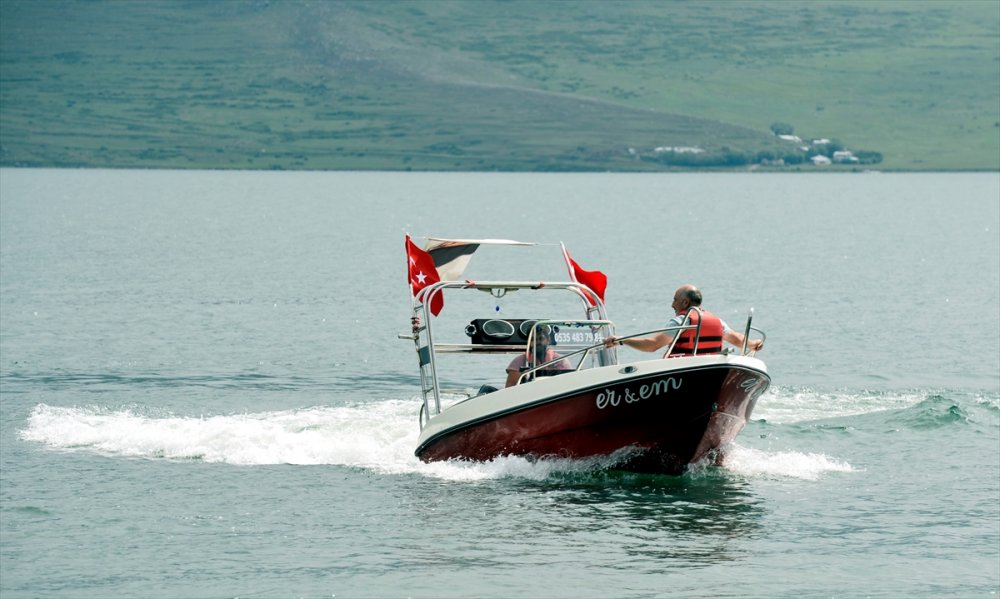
369	435
749	462
788	405
380	437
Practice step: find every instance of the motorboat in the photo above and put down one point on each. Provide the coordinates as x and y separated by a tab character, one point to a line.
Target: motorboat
659	415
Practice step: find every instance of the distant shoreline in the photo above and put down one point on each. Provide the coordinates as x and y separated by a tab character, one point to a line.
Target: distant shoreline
772	171
572	86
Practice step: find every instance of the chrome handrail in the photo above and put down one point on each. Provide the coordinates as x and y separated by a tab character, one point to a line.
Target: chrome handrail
601	345
675	328
763	338
594	306
593	324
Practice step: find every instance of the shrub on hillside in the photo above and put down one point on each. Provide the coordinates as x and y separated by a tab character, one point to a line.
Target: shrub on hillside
782	129
868	156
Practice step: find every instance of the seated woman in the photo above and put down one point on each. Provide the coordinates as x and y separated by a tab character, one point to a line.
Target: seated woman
543	354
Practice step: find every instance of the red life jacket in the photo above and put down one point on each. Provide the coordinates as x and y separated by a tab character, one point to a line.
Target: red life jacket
709	339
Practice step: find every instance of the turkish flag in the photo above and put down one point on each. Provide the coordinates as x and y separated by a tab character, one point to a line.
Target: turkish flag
422	273
594	279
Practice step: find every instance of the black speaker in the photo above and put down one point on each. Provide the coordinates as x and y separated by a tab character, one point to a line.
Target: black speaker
502	331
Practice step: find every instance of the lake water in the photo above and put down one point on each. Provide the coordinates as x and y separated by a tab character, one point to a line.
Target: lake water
203	394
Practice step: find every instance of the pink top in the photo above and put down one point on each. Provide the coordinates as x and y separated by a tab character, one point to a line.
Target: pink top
521	361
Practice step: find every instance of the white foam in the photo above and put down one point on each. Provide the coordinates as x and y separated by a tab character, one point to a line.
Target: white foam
356	435
378	436
790	405
786	464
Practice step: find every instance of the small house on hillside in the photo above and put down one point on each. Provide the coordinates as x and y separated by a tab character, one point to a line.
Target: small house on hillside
820	160
679	150
844	156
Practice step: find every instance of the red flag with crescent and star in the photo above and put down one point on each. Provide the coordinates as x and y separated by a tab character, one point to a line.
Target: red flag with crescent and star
422	273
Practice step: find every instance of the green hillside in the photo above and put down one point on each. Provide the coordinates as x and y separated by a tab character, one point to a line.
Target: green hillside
498	85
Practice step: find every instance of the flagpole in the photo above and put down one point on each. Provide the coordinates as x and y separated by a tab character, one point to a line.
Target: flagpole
569	267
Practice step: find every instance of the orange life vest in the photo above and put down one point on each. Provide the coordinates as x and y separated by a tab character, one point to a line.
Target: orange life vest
709	338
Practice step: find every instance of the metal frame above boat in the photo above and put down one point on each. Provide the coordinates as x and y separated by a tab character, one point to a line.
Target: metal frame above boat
428	349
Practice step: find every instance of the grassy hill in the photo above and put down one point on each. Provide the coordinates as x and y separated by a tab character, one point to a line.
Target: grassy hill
496	85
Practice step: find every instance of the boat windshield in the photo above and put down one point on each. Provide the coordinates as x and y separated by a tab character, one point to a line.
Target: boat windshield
555	347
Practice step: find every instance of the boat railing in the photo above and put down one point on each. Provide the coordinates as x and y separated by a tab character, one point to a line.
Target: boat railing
605	358
746	335
596	316
584	351
744	350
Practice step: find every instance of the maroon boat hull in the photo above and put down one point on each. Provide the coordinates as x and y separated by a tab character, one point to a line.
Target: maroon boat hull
658	423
